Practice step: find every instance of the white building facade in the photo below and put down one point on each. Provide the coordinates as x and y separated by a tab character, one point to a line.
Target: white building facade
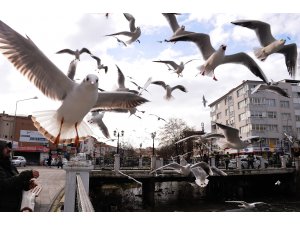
265	114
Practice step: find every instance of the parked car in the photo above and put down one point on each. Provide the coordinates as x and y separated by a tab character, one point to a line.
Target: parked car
244	162
19	161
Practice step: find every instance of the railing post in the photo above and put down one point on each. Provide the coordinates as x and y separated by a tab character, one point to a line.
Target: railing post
140	162
70	188
117	162
297	164
153	162
283	161
238	163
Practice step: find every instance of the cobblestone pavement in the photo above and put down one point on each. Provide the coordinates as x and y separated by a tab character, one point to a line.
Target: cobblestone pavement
53	180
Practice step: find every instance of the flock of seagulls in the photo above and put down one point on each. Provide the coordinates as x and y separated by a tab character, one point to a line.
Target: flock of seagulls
62	126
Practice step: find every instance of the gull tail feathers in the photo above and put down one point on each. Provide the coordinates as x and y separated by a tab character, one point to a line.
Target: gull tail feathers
260	54
202	183
48	125
205	72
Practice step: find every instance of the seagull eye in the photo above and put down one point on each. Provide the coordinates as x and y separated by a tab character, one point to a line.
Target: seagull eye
87	79
97	81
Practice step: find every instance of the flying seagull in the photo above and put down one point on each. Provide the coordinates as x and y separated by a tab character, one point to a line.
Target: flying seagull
277	183
64	125
232	138
77	52
246	205
214	58
99	65
97	119
204	101
270	45
177	30
134	33
158	117
201	176
177	68
271	88
169	89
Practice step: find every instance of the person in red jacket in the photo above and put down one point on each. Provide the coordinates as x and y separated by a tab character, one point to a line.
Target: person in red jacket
12	183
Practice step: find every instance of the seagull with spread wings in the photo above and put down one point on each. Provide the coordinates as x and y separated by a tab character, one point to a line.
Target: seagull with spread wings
134	33
76	53
172	20
204	101
158	117
232	138
177	68
97	119
272	88
247	205
270	45
99	65
169	89
64	125
214	58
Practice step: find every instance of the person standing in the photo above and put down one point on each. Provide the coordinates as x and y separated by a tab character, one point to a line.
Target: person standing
227	160
12	183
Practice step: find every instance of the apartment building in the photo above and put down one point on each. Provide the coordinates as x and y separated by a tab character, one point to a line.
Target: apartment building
265	114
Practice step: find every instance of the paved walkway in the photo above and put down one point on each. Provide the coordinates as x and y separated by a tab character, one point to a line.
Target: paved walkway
52	180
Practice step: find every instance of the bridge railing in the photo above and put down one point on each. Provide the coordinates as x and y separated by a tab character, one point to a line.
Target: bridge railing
83	201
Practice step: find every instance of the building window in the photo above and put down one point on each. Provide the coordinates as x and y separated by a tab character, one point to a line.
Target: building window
297	117
226	112
244	129
298	130
242	116
256	101
284	104
219	115
257	114
271	114
242	104
271	127
240	92
258	127
270	102
285	116
230	101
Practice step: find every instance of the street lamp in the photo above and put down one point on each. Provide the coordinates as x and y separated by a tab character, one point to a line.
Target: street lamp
117	134
141	144
260	145
15	117
153	134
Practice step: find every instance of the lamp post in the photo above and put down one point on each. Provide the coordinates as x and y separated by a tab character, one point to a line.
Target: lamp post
260	145
15	117
153	135
118	134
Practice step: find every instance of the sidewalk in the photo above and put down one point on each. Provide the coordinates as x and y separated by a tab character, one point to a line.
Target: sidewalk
52	180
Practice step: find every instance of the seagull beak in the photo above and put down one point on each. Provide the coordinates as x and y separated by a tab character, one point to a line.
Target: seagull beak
224	47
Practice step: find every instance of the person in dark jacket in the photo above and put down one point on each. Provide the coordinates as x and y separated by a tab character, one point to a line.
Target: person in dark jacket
12	183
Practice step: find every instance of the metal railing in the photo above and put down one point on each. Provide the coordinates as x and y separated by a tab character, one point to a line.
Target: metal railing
82	199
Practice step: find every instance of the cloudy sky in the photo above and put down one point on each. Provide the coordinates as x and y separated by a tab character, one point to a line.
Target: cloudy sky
53	26
76	30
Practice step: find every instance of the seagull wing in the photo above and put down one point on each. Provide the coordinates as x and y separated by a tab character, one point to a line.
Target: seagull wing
121	78
126	33
180	87
171	18
245	204
172	165
72	69
189	137
217	171
97	59
171	63
33	64
69	51
291	54
118	100
131	20
200	176
262	30
147	83
161	83
98	119
85	50
246	60
201	40
230	133
278	90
